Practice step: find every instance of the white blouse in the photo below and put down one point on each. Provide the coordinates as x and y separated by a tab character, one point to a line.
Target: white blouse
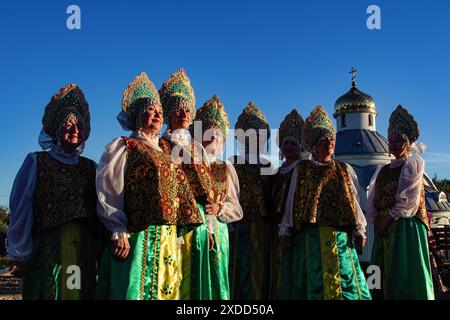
19	233
231	210
110	179
407	197
287	221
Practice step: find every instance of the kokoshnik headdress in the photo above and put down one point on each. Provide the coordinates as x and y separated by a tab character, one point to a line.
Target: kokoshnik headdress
317	127
252	118
69	101
177	93
137	97
403	123
212	115
291	128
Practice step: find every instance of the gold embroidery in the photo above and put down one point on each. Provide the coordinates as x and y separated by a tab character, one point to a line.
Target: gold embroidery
156	189
144	263
324	196
386	187
219	181
280	190
330	264
253	188
63	192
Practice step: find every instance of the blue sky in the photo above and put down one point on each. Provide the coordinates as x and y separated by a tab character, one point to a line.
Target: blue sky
279	54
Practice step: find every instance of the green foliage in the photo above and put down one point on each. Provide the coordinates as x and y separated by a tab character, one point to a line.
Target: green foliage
442	185
4	214
5	263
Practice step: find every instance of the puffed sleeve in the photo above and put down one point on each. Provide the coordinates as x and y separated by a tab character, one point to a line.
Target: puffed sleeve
407	198
110	188
361	222
231	210
287	221
20	242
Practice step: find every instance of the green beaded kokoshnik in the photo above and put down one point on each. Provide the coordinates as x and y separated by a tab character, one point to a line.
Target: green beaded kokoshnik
212	115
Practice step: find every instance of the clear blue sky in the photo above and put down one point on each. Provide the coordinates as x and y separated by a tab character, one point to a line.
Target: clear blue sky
279	54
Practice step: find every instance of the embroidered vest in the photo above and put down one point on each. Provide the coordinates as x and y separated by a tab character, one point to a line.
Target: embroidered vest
253	189
197	170
386	189
280	190
63	192
324	196
219	181
156	189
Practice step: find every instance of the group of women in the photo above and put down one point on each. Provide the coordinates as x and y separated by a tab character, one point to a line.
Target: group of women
162	217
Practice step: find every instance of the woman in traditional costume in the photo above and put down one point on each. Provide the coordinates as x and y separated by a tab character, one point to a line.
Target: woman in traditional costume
145	201
214	123
396	205
250	238
326	218
289	140
178	101
54	232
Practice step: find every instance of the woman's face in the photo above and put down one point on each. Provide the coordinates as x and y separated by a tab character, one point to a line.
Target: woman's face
398	145
152	120
213	141
290	149
325	148
180	119
71	134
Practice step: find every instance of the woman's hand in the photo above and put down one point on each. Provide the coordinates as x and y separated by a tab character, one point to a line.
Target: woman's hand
213	209
382	224
211	241
360	241
121	249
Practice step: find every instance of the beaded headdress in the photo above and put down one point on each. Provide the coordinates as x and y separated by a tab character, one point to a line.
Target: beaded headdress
140	93
69	100
317	126
403	123
291	128
252	118
212	114
177	93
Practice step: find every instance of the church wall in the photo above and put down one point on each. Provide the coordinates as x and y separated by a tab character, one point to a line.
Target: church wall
356	120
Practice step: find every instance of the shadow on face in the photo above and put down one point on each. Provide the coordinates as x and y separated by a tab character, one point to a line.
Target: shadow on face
290	150
180	119
398	145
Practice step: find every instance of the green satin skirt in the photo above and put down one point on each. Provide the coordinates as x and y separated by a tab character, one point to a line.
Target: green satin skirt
280	270
403	258
195	261
326	266
150	272
250	260
219	260
63	264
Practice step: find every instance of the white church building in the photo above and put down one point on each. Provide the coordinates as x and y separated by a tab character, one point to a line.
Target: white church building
359	144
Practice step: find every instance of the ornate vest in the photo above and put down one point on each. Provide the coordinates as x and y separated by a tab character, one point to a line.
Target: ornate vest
197	174
324	196
219	181
156	189
253	189
386	189
280	190
63	192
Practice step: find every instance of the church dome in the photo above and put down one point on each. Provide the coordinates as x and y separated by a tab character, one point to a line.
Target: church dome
355	101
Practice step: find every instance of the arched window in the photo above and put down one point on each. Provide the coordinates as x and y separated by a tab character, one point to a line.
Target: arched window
343	124
370	120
